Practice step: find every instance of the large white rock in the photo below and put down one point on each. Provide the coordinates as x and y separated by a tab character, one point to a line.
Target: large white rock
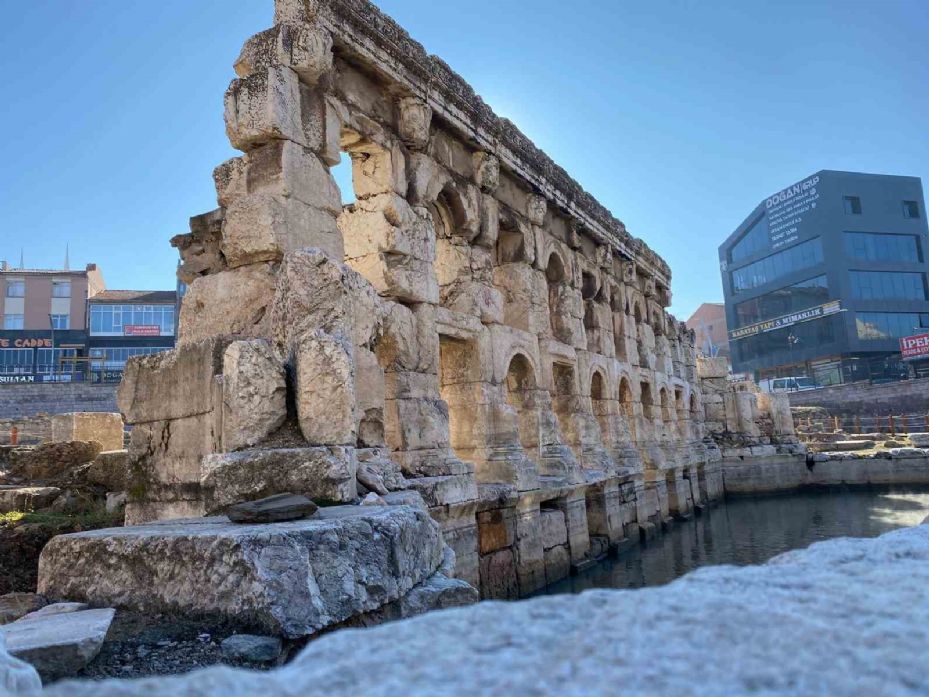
846	616
290	579
58	645
254	393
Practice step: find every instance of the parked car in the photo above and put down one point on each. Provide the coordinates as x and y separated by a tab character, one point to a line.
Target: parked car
795	384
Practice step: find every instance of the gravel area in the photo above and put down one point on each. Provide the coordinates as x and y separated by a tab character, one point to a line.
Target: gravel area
138	646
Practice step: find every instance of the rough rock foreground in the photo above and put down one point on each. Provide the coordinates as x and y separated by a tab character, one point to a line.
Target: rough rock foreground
846	616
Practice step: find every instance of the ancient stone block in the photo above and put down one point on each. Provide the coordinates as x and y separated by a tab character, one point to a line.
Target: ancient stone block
170	450
386	223
324	389
305	48
398	276
254	393
416	424
486	171
557	563
49	460
323	473
285	169
314	292
498	575
105	428
413	122
289	579
554	532
264	106
234	302
261	227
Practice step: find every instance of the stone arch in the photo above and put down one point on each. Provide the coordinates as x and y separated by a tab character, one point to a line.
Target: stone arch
564	394
627	404
454	229
619	324
664	400
521	389
459	371
556	275
640	314
600	402
589	285
646	399
514	240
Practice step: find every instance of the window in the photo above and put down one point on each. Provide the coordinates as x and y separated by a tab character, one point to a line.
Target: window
785	344
116	320
887	285
796	258
15	361
910	209
107	358
872	246
879	326
56	361
61	321
61	289
852	205
15	289
12	321
799	296
753	241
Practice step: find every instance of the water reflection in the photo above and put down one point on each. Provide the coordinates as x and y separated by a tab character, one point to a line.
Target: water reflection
751	531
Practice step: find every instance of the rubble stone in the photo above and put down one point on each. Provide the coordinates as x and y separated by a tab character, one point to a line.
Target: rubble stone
272	509
16	605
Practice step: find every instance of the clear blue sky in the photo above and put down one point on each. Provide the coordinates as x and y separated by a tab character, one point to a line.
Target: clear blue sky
679	116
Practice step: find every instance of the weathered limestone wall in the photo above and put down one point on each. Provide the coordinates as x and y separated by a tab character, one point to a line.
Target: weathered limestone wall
862	399
474	326
785	472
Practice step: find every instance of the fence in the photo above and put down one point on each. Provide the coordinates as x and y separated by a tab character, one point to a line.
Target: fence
892	424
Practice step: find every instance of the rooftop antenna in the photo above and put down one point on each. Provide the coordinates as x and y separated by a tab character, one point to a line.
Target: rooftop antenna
21	264
67	265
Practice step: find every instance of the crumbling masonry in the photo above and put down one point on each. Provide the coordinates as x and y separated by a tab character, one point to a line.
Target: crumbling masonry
474	327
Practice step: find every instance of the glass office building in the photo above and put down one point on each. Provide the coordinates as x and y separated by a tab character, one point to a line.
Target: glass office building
823	278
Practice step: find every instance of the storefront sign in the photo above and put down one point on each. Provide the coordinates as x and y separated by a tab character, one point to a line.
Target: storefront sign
141	330
787	209
16	379
915	346
25	343
770	325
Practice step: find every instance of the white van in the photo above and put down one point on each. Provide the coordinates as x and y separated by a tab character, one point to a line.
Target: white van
796	384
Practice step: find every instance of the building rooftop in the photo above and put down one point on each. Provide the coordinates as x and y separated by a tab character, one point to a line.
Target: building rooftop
6	268
135	296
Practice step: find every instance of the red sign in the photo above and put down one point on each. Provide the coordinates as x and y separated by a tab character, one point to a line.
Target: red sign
915	346
141	330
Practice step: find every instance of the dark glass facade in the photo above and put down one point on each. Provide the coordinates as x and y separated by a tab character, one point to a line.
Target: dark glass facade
871	246
823	278
799	296
887	285
877	326
778	265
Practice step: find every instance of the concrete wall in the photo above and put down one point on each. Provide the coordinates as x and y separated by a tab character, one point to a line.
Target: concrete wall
863	399
17	401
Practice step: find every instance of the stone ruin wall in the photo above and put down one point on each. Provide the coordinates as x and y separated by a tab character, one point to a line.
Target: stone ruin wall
474	327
